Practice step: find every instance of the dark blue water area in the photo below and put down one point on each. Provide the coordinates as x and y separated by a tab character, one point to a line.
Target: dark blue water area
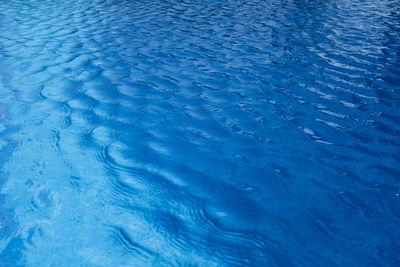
199	133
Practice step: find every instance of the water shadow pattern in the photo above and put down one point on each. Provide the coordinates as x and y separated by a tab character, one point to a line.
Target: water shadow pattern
199	133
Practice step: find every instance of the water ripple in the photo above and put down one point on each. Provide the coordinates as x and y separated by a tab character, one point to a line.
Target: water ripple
199	133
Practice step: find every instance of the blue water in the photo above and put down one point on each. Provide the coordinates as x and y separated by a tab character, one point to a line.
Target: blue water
199	133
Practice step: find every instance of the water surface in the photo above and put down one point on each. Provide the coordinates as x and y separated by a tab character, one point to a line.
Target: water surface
199	133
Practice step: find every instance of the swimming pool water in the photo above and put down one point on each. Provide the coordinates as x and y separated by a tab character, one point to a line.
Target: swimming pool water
199	133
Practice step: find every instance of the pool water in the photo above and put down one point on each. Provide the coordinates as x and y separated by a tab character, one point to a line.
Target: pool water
199	133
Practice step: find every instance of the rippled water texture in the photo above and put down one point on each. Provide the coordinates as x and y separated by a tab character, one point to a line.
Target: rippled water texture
199	133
